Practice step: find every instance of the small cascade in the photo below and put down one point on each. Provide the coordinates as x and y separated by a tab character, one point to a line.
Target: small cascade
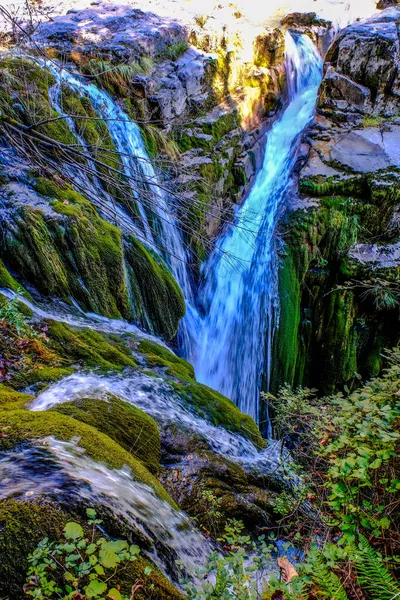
58	311
62	471
240	296
157	220
157	398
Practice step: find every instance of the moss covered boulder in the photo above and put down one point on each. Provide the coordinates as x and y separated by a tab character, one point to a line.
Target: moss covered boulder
157	298
24	524
202	400
127	425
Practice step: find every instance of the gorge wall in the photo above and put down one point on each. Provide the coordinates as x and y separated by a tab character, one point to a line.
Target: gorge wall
339	274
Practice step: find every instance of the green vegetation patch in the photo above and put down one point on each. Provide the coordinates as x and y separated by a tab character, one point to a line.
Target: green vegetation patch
214	407
158	356
92	348
157	297
127	425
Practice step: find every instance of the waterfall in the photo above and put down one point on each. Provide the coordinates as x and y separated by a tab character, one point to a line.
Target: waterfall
159	226
240	296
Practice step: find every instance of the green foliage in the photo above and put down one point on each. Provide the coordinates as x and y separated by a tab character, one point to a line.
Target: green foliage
372	574
87	567
329	584
174	51
116	78
158	142
10	312
236	576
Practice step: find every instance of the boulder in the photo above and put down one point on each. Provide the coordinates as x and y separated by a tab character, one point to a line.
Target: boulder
116	30
368	53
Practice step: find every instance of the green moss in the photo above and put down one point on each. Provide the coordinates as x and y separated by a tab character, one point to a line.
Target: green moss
157	142
92	348
24	96
8	282
12	400
41	375
25	425
175	50
156	295
332	186
218	409
22	526
287	342
204	401
158	356
77	254
127	425
218	127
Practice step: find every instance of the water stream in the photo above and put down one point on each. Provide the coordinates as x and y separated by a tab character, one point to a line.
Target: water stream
231	345
157	220
240	298
157	398
62	471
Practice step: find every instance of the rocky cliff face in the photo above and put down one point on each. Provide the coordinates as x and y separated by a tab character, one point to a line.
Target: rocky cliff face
339	276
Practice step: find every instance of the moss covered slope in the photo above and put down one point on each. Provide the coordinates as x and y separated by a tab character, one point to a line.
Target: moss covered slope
127	425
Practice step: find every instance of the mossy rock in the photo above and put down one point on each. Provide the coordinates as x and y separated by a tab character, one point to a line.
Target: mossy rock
157	297
159	356
76	254
12	400
219	410
92	348
7	281
23	425
24	524
204	401
127	425
24	96
40	375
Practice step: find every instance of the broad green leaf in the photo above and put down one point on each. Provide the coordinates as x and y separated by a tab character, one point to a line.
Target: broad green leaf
114	594
95	588
73	531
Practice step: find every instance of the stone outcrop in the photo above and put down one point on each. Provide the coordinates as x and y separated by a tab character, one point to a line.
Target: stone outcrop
321	31
340	270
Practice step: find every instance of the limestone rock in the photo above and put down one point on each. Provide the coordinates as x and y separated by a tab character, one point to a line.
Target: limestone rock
117	30
368	53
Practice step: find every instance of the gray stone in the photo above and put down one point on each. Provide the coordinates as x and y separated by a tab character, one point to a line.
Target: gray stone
377	256
359	154
339	91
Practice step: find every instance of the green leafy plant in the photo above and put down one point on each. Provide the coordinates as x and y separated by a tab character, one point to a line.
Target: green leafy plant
10	313
372	574
80	567
328	582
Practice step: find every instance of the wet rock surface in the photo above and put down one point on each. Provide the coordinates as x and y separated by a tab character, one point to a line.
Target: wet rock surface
339	293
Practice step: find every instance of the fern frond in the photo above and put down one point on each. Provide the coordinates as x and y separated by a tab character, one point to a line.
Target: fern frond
373	576
328	582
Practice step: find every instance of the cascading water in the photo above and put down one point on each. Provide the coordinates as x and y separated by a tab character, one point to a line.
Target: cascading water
239	296
159	226
157	398
62	471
